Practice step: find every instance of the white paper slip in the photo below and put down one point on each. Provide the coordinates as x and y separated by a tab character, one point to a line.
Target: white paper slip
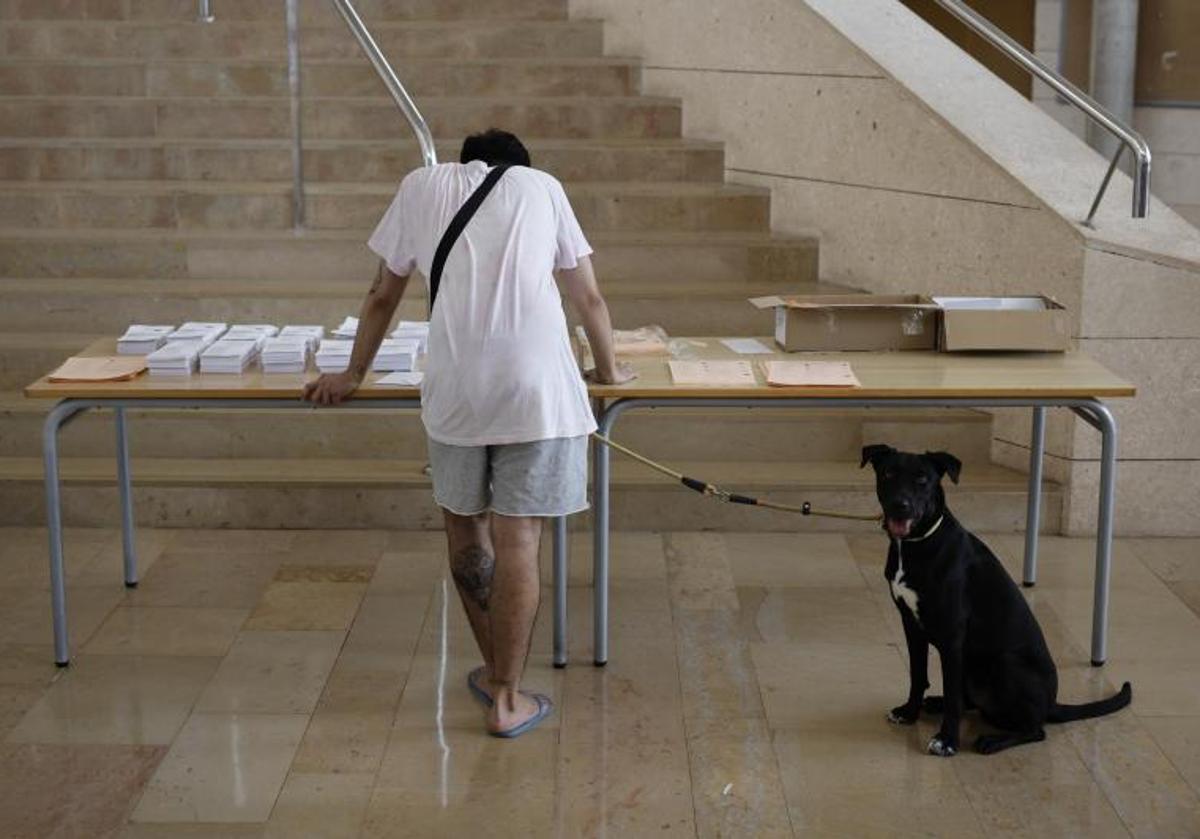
712	373
334	356
142	339
396	354
285	354
810	374
179	358
348	328
313	334
205	333
228	356
250	332
411	378
747	346
415	330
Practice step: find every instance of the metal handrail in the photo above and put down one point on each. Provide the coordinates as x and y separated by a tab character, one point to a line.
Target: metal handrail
1072	94
390	80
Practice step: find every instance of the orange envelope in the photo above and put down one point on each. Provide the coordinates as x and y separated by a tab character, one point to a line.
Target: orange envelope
810	374
100	368
712	373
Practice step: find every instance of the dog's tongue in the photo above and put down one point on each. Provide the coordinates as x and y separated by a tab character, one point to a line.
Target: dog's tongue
899	528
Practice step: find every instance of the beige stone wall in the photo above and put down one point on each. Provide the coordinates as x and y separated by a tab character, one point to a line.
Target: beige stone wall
920	171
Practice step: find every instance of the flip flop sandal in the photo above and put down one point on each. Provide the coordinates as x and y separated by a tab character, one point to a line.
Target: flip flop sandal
476	691
545	707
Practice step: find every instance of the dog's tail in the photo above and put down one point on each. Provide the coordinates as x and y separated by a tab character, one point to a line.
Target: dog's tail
1067	713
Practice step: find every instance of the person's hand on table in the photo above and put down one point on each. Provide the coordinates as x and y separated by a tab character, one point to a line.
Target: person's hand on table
622	374
331	388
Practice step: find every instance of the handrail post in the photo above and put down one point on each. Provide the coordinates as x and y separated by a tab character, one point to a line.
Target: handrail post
390	80
1112	167
296	103
1068	91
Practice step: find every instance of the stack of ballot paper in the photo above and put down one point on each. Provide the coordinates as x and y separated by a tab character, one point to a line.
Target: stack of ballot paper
313	334
286	354
140	339
229	355
334	356
256	332
417	330
178	358
205	333
347	329
396	354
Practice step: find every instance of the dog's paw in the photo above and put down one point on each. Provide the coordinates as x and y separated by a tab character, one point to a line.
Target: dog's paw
939	747
902	715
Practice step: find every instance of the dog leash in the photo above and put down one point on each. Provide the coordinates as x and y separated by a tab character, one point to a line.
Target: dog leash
714	491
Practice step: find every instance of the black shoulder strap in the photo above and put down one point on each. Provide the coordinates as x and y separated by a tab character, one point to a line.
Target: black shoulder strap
464	214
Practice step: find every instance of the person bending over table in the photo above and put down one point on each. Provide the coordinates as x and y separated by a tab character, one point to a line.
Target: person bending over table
504	405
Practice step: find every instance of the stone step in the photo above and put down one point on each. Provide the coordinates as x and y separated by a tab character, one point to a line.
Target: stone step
321	11
378	161
381	492
354	118
184	39
109	305
241	78
763	436
224	205
25	356
342	255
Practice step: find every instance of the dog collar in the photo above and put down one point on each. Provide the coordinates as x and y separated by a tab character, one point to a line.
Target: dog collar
928	533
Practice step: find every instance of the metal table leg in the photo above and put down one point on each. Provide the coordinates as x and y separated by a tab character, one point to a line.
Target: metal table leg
600	497
126	491
1100	417
59	415
1033	514
560	591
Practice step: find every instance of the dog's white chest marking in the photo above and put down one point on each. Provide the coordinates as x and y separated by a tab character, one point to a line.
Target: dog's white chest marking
900	590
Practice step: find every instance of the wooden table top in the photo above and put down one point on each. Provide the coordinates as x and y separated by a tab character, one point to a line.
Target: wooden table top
906	374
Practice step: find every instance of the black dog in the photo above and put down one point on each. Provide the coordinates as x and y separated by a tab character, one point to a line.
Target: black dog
953	592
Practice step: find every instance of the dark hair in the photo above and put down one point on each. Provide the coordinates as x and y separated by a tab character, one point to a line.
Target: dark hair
494	147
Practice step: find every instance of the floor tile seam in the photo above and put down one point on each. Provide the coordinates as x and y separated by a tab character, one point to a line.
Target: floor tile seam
687	745
664	546
1195	788
135	800
1079	649
1113	805
187	715
392	729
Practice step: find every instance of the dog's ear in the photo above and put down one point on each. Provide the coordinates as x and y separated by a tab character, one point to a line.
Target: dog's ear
874	454
946	464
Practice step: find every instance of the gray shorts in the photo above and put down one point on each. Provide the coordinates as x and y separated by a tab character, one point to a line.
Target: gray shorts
542	478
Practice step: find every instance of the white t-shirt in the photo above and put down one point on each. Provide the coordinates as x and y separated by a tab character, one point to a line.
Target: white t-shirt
500	367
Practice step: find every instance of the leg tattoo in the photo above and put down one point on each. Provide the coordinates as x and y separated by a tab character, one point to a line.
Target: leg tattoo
473	568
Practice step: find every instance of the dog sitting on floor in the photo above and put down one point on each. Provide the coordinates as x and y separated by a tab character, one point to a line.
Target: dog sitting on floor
953	592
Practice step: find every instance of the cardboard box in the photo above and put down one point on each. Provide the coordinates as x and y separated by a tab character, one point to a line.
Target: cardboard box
832	322
1034	323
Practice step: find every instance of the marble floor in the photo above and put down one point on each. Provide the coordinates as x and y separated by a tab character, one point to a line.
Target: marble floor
311	684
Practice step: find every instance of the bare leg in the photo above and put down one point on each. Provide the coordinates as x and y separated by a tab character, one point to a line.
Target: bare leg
511	610
472	564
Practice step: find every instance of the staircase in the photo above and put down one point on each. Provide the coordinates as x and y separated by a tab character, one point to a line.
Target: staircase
145	176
